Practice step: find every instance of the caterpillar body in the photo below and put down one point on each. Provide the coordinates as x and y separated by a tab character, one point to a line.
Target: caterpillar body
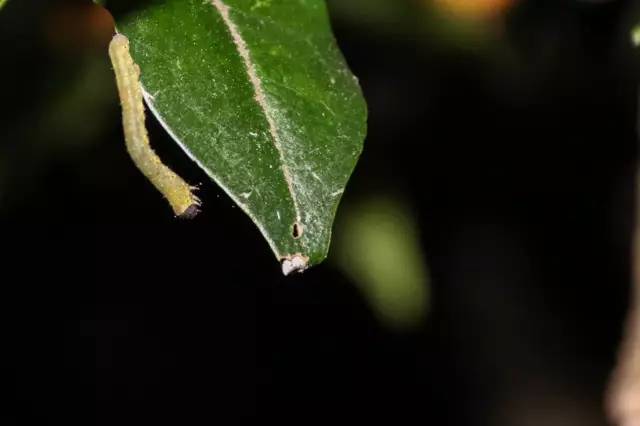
178	193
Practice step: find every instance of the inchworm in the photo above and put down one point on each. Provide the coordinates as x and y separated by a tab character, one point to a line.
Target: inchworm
179	193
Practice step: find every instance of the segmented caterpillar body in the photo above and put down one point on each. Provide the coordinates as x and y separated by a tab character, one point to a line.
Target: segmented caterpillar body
179	193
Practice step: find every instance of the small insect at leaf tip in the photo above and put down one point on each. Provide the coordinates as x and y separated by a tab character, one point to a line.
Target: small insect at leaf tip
296	263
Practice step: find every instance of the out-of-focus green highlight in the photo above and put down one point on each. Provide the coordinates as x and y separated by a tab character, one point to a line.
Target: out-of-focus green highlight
2	3
635	36
377	246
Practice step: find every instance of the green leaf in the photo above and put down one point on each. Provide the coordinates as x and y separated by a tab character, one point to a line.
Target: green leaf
2	3
257	93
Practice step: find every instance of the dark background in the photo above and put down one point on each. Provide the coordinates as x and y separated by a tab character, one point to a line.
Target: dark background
510	136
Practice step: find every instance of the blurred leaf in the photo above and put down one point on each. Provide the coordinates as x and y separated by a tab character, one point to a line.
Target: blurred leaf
473	9
87	94
379	15
2	3
466	25
635	36
257	93
378	247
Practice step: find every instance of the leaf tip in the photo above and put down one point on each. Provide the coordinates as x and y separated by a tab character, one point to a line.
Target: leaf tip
294	263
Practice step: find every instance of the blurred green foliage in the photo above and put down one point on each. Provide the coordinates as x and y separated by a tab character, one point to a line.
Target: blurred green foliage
428	22
635	36
378	247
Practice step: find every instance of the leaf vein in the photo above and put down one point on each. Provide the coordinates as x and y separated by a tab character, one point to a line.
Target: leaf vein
260	96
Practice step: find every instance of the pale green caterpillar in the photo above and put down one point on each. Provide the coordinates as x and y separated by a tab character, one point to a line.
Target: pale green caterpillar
179	193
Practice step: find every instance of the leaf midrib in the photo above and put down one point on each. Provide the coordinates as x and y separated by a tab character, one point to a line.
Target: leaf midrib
260	97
